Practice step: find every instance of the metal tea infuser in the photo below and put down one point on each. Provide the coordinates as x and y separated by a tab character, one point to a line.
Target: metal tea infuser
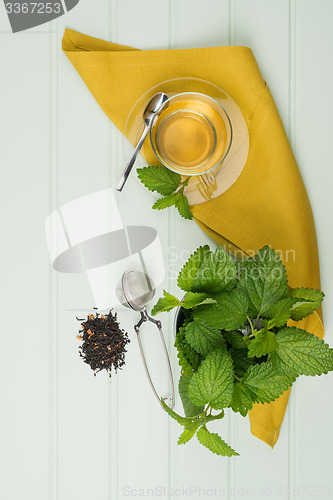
135	290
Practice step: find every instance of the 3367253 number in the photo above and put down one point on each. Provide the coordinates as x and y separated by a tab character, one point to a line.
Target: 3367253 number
33	7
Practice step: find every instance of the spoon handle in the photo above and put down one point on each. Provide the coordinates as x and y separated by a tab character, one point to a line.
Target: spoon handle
130	164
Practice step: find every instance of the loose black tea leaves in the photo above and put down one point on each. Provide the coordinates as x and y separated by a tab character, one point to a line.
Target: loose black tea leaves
103	342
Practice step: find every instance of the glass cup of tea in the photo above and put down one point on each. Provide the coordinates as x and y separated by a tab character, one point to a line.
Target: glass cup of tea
191	134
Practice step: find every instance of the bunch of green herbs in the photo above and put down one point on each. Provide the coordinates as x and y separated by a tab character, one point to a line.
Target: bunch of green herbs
234	346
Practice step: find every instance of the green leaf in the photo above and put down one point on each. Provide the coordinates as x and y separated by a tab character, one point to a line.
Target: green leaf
232	307
241	361
183	362
264	279
215	443
167	201
212	383
313	300
229	314
235	339
174	415
203	338
264	343
209	315
190	409
217	272
165	303
301	353
280	312
266	382
192	356
188	432
160	179
193	299
211	418
183	207
242	401
189	270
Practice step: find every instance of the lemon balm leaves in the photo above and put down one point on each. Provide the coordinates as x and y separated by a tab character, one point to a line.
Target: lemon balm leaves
167	201
234	347
265	382
264	342
233	307
301	303
193	299
183	207
229	314
241	361
181	420
169	184
190	409
261	384
202	338
159	179
190	300
242	399
188	432
236	340
165	303
190	268
178	200
217	272
189	358
209	315
310	300
213	382
208	272
215	443
186	368
302	353
264	279
280	312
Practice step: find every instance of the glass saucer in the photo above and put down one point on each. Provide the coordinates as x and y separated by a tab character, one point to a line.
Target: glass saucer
231	168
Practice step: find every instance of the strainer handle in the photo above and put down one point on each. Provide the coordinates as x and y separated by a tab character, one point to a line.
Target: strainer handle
145	317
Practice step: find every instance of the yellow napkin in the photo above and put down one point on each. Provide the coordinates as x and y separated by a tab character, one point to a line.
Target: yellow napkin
268	204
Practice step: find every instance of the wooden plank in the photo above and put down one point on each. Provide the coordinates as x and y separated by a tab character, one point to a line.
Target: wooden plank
264	27
140	429
81	147
193	25
85	17
313	131
142	24
25	297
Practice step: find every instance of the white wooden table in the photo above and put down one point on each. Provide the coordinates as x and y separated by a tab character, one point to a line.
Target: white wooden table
65	434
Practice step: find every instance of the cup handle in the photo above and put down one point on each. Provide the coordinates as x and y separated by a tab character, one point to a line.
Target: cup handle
207	185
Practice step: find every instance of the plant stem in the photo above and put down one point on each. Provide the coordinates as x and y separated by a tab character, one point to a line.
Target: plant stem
251	325
182	185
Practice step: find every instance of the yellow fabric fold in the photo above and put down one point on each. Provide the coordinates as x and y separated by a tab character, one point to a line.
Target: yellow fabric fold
268	204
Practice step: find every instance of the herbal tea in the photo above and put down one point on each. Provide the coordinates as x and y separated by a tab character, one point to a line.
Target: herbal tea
190	136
